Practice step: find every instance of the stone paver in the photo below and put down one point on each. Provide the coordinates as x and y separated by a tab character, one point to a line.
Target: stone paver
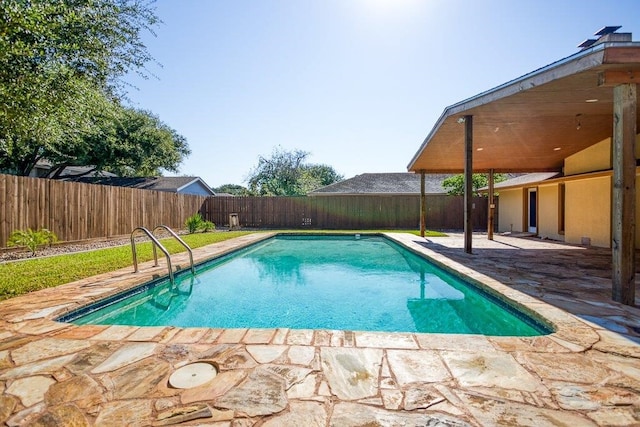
232	336
301	355
46	349
355	415
41	367
309	414
126	355
258	336
305	389
385	340
490	370
262	393
585	373
30	390
352	372
266	353
417	366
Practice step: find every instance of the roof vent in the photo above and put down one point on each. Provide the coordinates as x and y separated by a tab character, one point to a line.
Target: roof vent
606	34
587	43
607	30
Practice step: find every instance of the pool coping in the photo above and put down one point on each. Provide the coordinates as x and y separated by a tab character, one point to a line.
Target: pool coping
569	331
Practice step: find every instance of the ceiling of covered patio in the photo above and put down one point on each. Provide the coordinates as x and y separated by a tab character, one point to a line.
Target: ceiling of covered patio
531	124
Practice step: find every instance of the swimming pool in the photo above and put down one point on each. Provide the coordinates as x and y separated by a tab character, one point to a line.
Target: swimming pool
316	282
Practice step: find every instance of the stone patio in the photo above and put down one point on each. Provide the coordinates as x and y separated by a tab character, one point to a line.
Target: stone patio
586	373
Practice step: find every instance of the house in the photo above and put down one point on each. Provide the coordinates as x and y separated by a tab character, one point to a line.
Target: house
383	184
557	119
174	184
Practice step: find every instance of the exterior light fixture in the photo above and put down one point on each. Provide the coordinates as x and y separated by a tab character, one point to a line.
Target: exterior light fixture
592	100
557	149
479	149
461	120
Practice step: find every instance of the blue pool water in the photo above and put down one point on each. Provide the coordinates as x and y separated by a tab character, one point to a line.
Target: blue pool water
317	282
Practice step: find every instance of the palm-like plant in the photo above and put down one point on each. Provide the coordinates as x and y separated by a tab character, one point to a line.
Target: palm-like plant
32	239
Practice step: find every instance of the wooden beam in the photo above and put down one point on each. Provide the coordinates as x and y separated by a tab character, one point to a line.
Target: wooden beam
624	193
613	78
423	205
458	170
468	181
492	207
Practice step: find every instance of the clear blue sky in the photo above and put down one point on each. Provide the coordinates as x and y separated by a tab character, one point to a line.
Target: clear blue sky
357	83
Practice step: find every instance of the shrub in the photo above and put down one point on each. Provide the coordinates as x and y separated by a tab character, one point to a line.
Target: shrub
208	226
194	223
32	239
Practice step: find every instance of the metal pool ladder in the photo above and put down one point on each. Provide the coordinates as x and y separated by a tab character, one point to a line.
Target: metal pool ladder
156	243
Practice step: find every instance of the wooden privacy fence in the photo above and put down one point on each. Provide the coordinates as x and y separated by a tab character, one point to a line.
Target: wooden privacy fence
75	211
346	212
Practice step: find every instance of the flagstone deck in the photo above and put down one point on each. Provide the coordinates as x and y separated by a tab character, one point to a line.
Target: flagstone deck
586	373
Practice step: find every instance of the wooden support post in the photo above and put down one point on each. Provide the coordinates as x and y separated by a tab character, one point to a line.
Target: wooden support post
468	182
491	206
624	193
423	205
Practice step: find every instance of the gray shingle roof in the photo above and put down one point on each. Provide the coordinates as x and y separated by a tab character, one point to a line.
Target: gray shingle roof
529	178
159	183
401	183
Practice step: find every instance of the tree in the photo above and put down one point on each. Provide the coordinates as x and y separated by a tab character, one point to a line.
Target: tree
235	189
132	143
98	40
60	62
315	176
455	184
44	128
116	139
286	174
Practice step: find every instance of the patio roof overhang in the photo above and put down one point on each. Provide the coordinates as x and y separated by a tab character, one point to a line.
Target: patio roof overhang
531	124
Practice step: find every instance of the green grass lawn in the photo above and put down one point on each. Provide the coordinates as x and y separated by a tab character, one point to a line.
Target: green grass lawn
20	277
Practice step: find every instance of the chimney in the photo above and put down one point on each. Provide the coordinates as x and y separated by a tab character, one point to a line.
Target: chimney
606	35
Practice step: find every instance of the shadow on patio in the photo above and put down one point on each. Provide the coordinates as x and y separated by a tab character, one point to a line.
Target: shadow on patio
574	278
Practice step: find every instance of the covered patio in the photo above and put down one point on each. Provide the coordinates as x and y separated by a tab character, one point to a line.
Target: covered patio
535	122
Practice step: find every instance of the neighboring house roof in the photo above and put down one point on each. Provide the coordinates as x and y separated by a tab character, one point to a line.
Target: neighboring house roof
42	167
401	183
173	184
523	180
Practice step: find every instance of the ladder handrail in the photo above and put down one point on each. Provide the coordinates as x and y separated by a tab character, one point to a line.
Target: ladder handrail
155	242
182	242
